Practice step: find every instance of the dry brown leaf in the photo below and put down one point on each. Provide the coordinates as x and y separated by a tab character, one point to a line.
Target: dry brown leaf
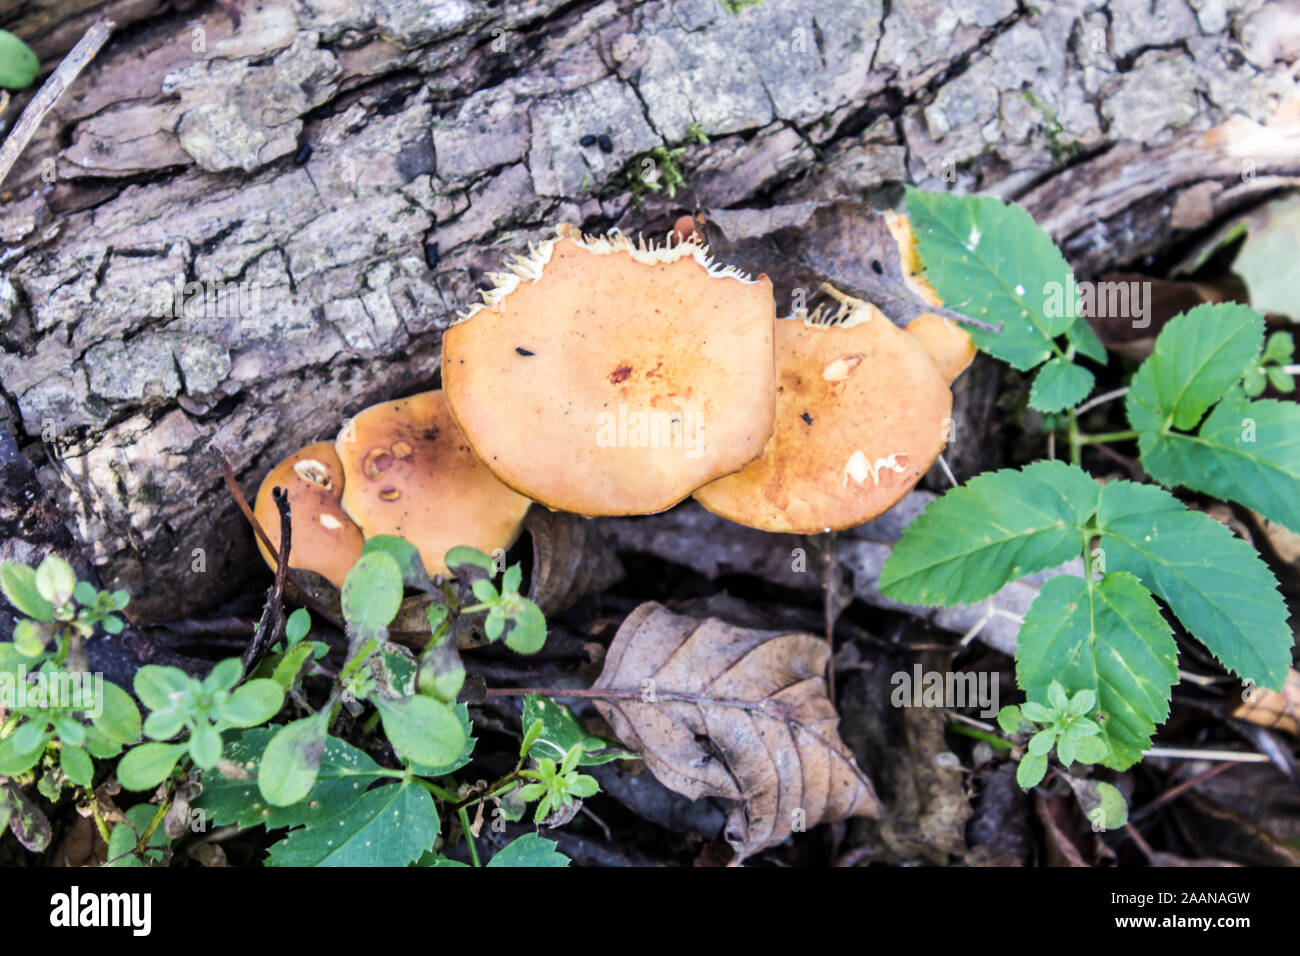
572	558
1268	708
723	711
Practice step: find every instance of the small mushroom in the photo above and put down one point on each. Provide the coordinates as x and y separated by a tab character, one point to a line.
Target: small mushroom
325	539
409	471
862	412
946	341
607	377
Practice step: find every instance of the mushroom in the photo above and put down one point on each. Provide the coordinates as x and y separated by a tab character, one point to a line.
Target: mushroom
606	377
325	539
946	341
862	413
409	472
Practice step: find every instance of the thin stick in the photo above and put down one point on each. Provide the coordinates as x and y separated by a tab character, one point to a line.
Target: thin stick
1101	399
228	472
1174	793
1183	753
266	628
50	93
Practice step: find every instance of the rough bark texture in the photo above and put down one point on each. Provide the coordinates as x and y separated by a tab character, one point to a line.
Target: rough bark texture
454	125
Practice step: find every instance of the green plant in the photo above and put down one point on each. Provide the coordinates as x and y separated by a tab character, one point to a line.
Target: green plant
654	170
19	66
1066	725
1102	636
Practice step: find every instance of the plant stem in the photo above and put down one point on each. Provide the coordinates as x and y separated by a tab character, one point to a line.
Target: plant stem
992	740
469	837
1108	437
1076	450
153	825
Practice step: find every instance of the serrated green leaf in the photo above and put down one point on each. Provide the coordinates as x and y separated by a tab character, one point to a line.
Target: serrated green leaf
1246	451
1215	583
1107	637
1060	384
996	528
560	733
389	826
991	261
344	774
530	850
1197	357
1085	341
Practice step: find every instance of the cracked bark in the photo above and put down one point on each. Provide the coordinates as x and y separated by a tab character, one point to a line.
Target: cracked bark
179	156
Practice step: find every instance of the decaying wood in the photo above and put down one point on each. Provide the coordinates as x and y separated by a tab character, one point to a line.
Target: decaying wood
358	164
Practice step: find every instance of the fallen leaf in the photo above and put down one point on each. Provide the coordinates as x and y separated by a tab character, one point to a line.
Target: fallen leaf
723	711
1268	708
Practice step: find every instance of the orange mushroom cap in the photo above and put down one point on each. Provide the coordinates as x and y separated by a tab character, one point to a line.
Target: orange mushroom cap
325	540
862	413
946	341
409	472
604	377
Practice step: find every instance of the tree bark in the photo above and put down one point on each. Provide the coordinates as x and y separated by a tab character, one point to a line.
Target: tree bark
348	171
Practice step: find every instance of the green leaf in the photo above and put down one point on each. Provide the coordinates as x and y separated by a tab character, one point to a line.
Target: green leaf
30	637
484	591
1106	637
297	626
146	766
165	724
1215	583
996	528
1247	452
1009	719
19	66
119	719
991	261
205	746
527	631
18	582
291	761
1036	712
159	687
55	580
225	675
372	592
407	557
1031	770
560	733
290	665
125	836
15	759
1198	356
85	593
1060	384
530	850
254	703
423	770
421	729
344	774
462	554
389	826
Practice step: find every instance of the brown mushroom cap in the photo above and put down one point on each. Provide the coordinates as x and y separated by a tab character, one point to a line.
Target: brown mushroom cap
604	377
862	413
325	539
946	341
409	472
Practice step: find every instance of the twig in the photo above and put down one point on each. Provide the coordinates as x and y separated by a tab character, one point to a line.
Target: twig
1101	399
232	485
50	93
828	610
1174	793
267	626
1184	753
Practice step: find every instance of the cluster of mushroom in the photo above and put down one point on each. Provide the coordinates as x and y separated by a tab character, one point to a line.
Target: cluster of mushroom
603	376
